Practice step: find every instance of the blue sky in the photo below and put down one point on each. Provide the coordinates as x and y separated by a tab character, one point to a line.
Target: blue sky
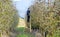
22	6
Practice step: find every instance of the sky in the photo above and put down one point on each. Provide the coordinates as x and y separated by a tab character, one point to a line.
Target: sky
22	6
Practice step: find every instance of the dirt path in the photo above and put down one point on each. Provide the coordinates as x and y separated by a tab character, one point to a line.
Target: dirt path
21	23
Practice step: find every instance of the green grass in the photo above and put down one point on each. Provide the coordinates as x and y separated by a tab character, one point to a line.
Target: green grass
22	33
21	29
25	35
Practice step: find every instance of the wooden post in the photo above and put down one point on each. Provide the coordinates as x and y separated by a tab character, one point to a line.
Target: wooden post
30	23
